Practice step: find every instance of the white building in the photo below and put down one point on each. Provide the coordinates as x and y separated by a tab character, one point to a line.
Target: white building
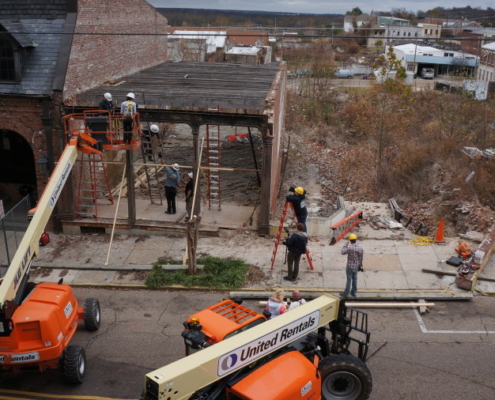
445	62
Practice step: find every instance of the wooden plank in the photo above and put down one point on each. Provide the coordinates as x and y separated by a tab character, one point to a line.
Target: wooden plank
380	295
377	304
440	272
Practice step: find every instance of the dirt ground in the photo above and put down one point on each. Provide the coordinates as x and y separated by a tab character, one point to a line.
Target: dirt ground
238	186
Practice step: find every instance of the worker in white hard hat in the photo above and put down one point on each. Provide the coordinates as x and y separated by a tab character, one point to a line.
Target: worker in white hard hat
148	133
127	110
189	192
171	180
298	200
106	103
355	255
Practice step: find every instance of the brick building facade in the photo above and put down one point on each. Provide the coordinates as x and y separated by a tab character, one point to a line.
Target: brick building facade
51	52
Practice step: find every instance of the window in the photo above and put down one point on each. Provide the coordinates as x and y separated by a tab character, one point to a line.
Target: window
7	60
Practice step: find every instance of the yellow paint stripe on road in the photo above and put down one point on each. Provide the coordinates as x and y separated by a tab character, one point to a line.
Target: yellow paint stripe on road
52	396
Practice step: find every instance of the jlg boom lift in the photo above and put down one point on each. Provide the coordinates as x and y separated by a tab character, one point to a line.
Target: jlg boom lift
236	354
37	322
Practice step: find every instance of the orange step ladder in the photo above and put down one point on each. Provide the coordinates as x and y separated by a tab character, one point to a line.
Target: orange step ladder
279	235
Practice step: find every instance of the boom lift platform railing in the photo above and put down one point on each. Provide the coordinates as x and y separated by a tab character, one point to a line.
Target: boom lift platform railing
340	229
281	228
98	130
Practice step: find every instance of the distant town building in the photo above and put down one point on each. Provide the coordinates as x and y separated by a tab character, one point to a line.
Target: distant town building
444	61
486	70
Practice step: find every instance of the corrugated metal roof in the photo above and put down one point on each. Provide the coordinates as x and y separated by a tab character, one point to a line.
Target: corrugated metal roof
214	39
489	46
252	50
193	84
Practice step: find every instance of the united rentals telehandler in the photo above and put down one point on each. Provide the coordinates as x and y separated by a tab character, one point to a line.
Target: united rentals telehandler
237	354
37	322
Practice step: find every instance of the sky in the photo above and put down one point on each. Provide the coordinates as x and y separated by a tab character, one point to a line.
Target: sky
318	6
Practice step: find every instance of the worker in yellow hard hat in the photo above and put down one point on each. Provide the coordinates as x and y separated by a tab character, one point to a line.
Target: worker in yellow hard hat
298	200
354	264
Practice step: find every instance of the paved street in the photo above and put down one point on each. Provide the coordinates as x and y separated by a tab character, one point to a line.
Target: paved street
445	354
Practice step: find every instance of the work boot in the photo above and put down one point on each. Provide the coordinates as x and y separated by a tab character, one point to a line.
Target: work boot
287	278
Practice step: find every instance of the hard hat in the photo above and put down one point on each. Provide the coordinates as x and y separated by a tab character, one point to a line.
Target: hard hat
154	128
108	96
175	166
190	175
299	190
352	236
131	95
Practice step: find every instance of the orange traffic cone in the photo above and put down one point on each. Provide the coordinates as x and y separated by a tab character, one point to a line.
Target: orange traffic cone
439	237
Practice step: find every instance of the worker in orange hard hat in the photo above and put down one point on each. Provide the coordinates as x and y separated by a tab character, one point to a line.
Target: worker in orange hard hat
354	264
298	200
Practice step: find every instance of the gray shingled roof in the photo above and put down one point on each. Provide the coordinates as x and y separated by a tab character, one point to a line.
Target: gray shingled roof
34	9
38	69
18	31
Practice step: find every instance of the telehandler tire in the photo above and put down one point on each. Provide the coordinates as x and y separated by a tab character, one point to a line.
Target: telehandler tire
74	364
92	314
344	377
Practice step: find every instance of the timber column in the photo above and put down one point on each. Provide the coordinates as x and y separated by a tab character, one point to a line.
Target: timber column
266	183
197	194
131	194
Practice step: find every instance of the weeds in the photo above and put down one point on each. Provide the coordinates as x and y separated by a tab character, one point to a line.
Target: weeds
217	274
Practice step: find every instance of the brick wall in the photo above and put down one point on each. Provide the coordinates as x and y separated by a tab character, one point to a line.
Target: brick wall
97	59
26	126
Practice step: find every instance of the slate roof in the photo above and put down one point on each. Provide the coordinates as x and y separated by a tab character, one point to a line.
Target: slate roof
19	32
38	69
34	9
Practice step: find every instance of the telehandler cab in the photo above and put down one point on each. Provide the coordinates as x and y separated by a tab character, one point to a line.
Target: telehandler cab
285	358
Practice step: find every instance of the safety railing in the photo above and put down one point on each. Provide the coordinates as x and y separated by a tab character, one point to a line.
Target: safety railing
13	225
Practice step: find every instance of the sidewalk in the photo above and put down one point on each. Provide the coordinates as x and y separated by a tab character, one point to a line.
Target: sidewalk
392	264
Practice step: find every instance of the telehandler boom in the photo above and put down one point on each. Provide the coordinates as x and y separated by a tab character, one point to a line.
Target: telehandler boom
287	357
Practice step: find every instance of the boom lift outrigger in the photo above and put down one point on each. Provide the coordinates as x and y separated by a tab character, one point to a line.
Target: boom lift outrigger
288	357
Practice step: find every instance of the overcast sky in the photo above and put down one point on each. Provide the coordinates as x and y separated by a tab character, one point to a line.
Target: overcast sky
318	6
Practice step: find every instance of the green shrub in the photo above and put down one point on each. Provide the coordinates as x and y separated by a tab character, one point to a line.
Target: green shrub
216	274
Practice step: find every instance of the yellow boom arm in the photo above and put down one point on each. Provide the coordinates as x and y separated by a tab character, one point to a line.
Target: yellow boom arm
29	246
179	380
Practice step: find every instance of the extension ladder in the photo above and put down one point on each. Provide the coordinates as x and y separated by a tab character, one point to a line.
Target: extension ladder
93	185
213	146
279	235
340	229
150	167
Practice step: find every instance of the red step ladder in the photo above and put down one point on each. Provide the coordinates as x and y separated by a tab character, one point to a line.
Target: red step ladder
279	235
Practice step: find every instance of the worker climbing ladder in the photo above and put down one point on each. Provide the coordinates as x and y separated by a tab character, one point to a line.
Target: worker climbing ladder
93	185
288	205
213	147
151	166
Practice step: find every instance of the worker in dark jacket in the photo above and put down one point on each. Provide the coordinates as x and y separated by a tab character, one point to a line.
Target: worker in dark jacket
298	200
106	103
296	244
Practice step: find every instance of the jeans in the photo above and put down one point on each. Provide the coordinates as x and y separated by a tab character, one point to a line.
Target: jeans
352	276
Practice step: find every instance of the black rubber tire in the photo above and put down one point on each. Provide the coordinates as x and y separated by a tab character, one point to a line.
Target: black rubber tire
74	364
92	314
344	377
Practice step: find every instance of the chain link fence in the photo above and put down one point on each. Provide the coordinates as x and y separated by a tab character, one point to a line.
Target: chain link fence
12	228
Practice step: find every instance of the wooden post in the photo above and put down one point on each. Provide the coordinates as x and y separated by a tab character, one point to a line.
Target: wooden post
265	202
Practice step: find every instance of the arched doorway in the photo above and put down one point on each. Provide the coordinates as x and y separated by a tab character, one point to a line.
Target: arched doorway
17	167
